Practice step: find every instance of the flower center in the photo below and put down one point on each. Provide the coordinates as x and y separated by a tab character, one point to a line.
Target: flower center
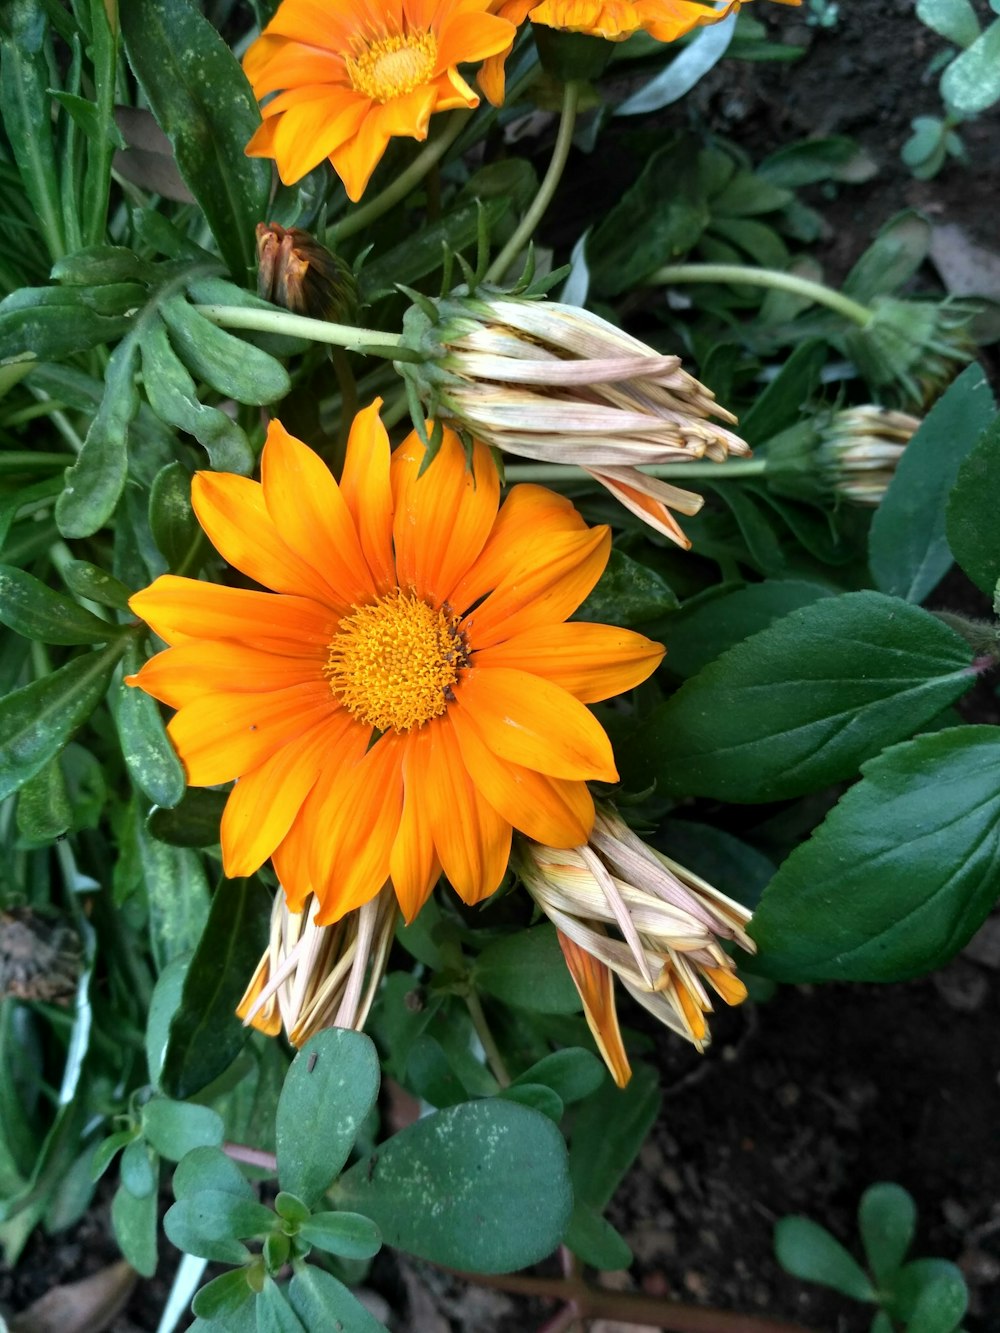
393	66
393	663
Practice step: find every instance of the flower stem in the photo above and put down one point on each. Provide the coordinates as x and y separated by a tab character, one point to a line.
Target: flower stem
550	474
526	228
493	1057
298	326
763	277
428	157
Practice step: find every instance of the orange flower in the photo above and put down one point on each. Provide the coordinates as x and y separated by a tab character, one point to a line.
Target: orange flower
614	20
409	691
350	76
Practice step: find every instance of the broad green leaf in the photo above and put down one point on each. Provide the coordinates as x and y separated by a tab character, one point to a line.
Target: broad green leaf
37	720
205	1034
931	1295
177	893
175	1128
572	1074
134	1222
274	1314
224	1295
95	481
628	593
593	1239
150	757
232	366
322	1302
609	1128
805	702
348	1235
900	873
171	516
732	866
527	970
196	1225
808	1251
813	160
908	547
538	1097
972	530
31	608
971	83
209	1169
955	20
330	1088
887	1220
203	103
894	256
483	1187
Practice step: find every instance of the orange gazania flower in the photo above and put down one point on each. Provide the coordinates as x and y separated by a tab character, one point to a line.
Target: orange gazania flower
614	20
408	692
352	75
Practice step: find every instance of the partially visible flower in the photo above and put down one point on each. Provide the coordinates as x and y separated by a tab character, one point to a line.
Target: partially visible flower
613	20
851	454
623	909
352	75
295	271
313	977
558	384
409	691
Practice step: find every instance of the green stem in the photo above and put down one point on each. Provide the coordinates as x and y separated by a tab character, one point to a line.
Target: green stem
493	1057
551	473
407	180
541	201
23	460
763	277
298	326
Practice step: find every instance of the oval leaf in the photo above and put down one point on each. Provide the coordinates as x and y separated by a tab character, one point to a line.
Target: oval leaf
34	610
887	1219
807	1250
973	532
348	1235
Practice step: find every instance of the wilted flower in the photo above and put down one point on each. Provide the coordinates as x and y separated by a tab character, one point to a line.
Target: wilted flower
313	977
623	909
351	76
850	453
558	384
910	351
410	690
295	271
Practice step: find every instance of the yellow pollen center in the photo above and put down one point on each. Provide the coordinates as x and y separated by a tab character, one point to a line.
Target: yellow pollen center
393	66
393	663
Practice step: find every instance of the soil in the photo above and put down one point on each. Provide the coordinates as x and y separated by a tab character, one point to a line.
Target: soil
804	1101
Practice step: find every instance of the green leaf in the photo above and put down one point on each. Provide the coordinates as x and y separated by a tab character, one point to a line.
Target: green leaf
177	892
194	822
203	103
901	872
51	323
171	517
955	20
931	1295
538	1097
274	1314
96	585
805	702
224	1295
150	757
197	1225
572	1074
134	1222
27	117
483	1187
972	530
138	1169
99	264
95	481
891	260
732	866
333	1081
527	970
205	1034
209	1169
593	1239
106	1150
887	1220
608	1130
780	404
37	720
808	1251
321	1302
348	1235
908	547
627	593
31	608
175	1128
230	365
813	160
971	83
44	811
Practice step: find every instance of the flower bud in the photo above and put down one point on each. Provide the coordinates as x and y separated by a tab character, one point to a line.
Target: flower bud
297	272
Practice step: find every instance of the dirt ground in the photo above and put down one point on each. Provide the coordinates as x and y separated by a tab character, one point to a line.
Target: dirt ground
804	1101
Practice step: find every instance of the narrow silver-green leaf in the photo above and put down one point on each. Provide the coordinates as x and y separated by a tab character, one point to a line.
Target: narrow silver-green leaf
151	759
33	609
233	367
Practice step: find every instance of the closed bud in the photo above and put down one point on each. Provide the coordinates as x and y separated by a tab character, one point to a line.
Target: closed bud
298	273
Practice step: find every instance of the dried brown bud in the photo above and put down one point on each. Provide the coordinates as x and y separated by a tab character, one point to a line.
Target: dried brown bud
297	272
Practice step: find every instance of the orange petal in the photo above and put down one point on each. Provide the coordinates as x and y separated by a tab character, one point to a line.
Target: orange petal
472	839
223	736
413	864
595	984
352	820
441	519
554	811
590	661
291	864
182	674
314	128
532	722
265	801
179	609
308	509
268	1018
367	491
572	564
528	518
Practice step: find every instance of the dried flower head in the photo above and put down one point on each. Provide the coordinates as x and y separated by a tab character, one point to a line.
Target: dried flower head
623	909
558	384
297	272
